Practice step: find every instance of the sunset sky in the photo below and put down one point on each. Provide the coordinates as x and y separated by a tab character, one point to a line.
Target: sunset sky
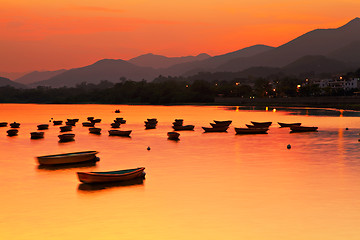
49	35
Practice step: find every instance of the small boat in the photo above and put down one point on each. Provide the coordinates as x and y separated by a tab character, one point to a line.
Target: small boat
283	125
15	125
12	132
152	120
303	129
177	123
115	125
150	125
73	120
57	122
216	125
261	124
117	111
70	123
111	176
254	127
183	128
251	130
95	130
98	120
120	120
119	133
43	126
217	129
173	135
90	118
36	135
66	137
179	120
66	158
88	124
223	123
3	124
66	128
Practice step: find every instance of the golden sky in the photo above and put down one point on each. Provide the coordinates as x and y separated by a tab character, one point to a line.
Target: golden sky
50	35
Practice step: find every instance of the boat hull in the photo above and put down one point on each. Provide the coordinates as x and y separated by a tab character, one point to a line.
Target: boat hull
303	129
261	124
95	130
67	158
120	133
43	126
283	125
173	135
3	124
36	135
183	128
113	176
217	129
67	137
251	130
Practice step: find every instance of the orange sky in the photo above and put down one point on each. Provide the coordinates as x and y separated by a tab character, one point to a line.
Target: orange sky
45	35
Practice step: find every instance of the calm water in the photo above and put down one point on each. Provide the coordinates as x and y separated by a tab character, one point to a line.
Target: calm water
205	186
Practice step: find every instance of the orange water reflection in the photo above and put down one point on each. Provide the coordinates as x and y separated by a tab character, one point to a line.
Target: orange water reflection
205	186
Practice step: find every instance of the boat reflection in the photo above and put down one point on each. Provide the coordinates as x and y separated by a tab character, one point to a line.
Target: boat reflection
85	187
86	164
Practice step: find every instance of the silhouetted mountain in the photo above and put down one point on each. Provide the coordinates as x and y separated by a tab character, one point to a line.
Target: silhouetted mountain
8	82
106	69
212	63
158	61
316	65
37	76
349	54
12	75
316	42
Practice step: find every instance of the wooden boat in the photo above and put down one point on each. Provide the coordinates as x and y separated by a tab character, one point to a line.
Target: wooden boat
3	124
302	129
152	120
254	127
173	135
90	118
179	120
283	125
150	126
111	176
73	120
88	124
115	125
183	128
216	125
217	129
70	123
120	120
261	124
251	130
117	111
223	123
66	137
67	158
119	133
95	130
177	123
12	132
36	135
43	126
57	122
14	125
98	120
66	128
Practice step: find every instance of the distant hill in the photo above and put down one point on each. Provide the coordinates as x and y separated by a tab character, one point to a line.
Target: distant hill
158	61
106	69
349	54
212	63
316	42
37	76
8	82
316	65
12	75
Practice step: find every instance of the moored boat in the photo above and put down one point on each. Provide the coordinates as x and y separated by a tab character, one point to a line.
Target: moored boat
254	127
66	137
261	124
98	120
88	124
90	118
217	129
73	120
283	125
173	135
120	120
117	111
115	125
70	123
12	132
3	124
66	128
303	129
251	130
36	135
15	125
223	123
111	176
183	128
150	126
120	133
67	158
43	126
95	130
59	122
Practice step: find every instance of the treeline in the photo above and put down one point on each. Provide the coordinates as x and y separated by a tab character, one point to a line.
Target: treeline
170	90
